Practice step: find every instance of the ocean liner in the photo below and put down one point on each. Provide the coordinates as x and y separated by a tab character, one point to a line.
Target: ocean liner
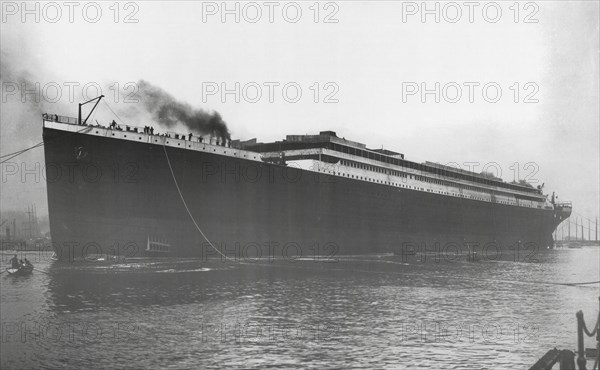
127	191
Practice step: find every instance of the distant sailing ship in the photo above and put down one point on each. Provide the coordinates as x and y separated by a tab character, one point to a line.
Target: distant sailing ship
132	192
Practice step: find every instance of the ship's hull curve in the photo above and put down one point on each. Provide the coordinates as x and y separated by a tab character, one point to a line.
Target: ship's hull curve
109	196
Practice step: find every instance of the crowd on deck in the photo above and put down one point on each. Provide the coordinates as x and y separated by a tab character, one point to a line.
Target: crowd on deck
146	130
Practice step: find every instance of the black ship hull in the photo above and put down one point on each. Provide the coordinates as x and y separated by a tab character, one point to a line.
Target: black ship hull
109	196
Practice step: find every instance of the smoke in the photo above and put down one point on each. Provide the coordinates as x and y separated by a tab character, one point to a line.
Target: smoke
21	114
165	109
20	128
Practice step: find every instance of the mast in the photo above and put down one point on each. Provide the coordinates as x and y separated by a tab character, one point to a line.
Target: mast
91	110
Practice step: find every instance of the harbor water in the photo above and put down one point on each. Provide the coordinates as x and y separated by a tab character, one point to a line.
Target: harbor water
381	311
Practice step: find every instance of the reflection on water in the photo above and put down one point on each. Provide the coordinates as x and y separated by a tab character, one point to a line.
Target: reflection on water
375	311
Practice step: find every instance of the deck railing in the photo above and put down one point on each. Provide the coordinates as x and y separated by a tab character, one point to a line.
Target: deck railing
138	129
61	119
564	205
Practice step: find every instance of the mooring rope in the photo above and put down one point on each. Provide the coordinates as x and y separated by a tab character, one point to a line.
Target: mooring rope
185	204
19	152
585	283
585	329
40	144
113	112
22	150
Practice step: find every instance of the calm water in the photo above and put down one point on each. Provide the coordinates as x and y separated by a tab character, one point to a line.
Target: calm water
363	312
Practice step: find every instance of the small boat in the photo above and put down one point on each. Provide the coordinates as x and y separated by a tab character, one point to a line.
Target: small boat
23	270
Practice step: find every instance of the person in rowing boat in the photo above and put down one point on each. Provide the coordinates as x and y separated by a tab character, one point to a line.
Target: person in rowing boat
27	263
15	262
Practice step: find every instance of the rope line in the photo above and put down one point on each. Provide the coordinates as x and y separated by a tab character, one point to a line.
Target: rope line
582	216
585	329
585	283
185	204
18	153
113	112
40	144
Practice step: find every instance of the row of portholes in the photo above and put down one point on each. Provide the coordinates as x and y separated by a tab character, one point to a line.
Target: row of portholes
405	175
416	188
375	180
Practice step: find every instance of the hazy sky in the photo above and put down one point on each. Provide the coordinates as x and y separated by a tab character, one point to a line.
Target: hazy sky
545	56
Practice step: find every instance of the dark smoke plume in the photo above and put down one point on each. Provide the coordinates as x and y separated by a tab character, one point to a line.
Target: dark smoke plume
168	111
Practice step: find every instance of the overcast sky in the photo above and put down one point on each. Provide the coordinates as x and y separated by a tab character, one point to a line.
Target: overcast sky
363	58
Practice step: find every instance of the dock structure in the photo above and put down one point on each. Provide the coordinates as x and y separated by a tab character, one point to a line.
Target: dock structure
566	357
574	229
